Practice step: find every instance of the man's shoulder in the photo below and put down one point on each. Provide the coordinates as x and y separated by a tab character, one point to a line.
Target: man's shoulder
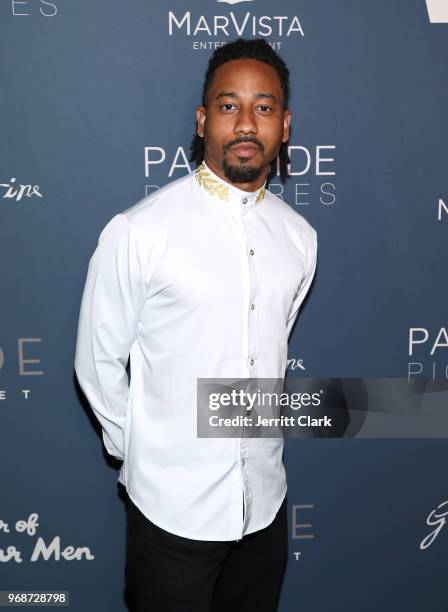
291	217
150	216
162	201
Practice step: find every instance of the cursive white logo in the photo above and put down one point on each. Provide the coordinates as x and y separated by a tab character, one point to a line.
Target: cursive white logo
18	191
436	517
295	364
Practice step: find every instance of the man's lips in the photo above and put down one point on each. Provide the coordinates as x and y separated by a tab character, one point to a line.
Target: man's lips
245	150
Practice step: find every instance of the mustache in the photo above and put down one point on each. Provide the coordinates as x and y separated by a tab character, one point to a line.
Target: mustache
242	141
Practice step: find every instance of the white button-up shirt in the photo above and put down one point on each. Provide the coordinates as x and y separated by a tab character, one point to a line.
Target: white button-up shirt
199	279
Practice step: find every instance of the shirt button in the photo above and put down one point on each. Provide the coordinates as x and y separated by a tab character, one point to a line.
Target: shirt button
252	306
251	252
244	200
243	462
251	362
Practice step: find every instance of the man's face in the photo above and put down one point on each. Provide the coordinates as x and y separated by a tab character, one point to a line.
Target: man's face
244	123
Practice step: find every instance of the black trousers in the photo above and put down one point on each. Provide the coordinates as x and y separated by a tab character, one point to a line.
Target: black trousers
168	573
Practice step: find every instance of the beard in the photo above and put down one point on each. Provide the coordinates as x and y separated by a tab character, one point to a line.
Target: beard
243	173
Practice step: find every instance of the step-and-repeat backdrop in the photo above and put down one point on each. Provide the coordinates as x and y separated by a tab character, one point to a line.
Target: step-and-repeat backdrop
97	110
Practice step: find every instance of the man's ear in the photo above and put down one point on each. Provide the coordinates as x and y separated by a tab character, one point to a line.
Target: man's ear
200	118
286	122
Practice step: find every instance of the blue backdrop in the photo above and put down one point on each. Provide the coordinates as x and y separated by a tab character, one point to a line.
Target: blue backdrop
97	106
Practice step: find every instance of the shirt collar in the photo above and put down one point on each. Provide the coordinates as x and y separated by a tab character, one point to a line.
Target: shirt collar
217	187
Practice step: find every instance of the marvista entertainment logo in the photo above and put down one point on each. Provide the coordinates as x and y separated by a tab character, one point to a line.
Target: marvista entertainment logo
233	24
437	11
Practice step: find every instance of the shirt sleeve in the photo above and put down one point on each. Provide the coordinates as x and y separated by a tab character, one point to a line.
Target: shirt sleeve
305	284
111	304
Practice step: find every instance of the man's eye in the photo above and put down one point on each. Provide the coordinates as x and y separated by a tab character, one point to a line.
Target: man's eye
264	107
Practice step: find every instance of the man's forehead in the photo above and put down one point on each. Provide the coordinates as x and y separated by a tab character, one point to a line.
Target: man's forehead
256	69
244	76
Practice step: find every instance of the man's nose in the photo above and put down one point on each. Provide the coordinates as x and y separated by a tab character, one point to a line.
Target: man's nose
246	122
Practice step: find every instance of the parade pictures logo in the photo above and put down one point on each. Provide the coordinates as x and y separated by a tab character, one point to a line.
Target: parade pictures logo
430	347
437	11
311	163
25	357
300	530
311	173
233	25
442	210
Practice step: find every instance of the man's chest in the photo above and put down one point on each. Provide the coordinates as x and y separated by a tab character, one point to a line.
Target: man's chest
227	257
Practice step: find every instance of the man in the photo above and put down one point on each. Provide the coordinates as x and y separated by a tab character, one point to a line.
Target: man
201	279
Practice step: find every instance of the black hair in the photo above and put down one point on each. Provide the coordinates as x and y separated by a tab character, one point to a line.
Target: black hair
262	51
